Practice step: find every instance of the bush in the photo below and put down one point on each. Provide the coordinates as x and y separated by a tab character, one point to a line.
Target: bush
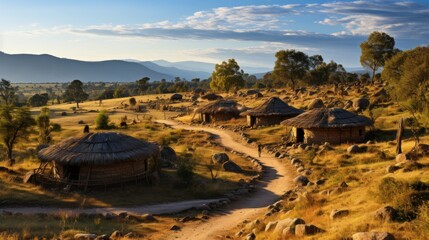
102	121
56	127
185	170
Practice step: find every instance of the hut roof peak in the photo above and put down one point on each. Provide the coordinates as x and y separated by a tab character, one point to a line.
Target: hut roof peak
274	107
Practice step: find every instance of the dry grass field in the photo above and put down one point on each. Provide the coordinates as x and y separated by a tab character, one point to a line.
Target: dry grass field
364	173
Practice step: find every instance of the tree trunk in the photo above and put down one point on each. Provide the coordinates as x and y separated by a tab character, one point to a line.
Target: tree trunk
9	152
399	136
77	104
373	76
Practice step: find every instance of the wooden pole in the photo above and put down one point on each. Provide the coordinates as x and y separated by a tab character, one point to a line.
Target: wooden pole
399	136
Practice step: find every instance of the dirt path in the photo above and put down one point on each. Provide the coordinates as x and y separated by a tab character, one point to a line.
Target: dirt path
153	209
277	180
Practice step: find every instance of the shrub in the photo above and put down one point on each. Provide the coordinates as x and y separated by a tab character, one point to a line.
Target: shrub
56	127
185	170
102	121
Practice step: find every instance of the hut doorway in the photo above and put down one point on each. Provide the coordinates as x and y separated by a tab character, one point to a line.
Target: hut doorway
207	118
71	172
252	121
299	135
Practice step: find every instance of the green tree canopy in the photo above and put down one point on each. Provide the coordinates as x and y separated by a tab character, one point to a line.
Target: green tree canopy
376	51
143	84
226	76
15	124
44	125
408	76
38	100
75	92
290	66
7	92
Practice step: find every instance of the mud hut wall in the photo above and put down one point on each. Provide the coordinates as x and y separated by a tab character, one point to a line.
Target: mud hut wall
223	116
332	135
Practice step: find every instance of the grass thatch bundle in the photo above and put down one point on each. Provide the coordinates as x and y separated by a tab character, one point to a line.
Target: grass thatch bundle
328	118
221	106
273	107
99	149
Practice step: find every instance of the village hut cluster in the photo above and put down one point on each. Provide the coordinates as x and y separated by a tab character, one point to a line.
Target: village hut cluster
317	125
95	159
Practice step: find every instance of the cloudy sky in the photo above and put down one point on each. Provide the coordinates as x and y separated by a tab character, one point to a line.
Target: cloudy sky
251	31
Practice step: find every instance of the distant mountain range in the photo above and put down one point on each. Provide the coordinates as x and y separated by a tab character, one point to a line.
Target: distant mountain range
30	68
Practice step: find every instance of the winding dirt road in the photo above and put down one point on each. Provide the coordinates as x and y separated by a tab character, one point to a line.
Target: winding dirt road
276	181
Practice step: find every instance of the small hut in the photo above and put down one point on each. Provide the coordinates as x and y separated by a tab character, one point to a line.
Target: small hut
97	159
176	97
333	125
271	112
221	110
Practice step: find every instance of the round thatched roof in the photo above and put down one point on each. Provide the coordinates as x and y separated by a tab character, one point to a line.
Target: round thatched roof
99	149
221	106
273	107
327	118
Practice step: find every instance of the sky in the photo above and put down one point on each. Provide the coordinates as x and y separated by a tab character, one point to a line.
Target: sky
251	31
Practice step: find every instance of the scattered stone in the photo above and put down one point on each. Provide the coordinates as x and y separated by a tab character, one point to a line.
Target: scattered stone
302	230
251	236
295	160
220	158
84	236
401	158
287	226
116	234
148	218
270	226
231	166
175	228
344	185
392	168
301	180
386	213
373	236
339	213
353	149
320	181
130	235
103	237
316	103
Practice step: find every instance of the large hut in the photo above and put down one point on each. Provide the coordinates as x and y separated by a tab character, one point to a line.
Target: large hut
98	159
333	125
271	112
221	110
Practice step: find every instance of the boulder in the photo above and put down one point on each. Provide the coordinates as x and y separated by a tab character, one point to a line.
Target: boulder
167	156
339	213
392	168
302	230
401	157
175	228
373	236
301	180
316	103
231	166
250	236
116	234
176	97
360	104
287	226
103	237
386	213
353	149
219	158
84	236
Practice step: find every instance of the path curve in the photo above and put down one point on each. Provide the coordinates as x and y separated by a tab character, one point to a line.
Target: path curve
275	182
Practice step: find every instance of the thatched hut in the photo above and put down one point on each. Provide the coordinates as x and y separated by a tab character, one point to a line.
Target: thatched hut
271	112
98	159
221	110
333	125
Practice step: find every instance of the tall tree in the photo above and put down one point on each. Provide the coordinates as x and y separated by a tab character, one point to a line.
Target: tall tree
15	124
315	61
75	92
226	76
44	125
376	51
143	84
290	66
7	92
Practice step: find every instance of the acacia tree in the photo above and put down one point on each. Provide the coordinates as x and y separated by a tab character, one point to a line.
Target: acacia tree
227	75
142	84
376	51
290	66
15	124
7	92
74	92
